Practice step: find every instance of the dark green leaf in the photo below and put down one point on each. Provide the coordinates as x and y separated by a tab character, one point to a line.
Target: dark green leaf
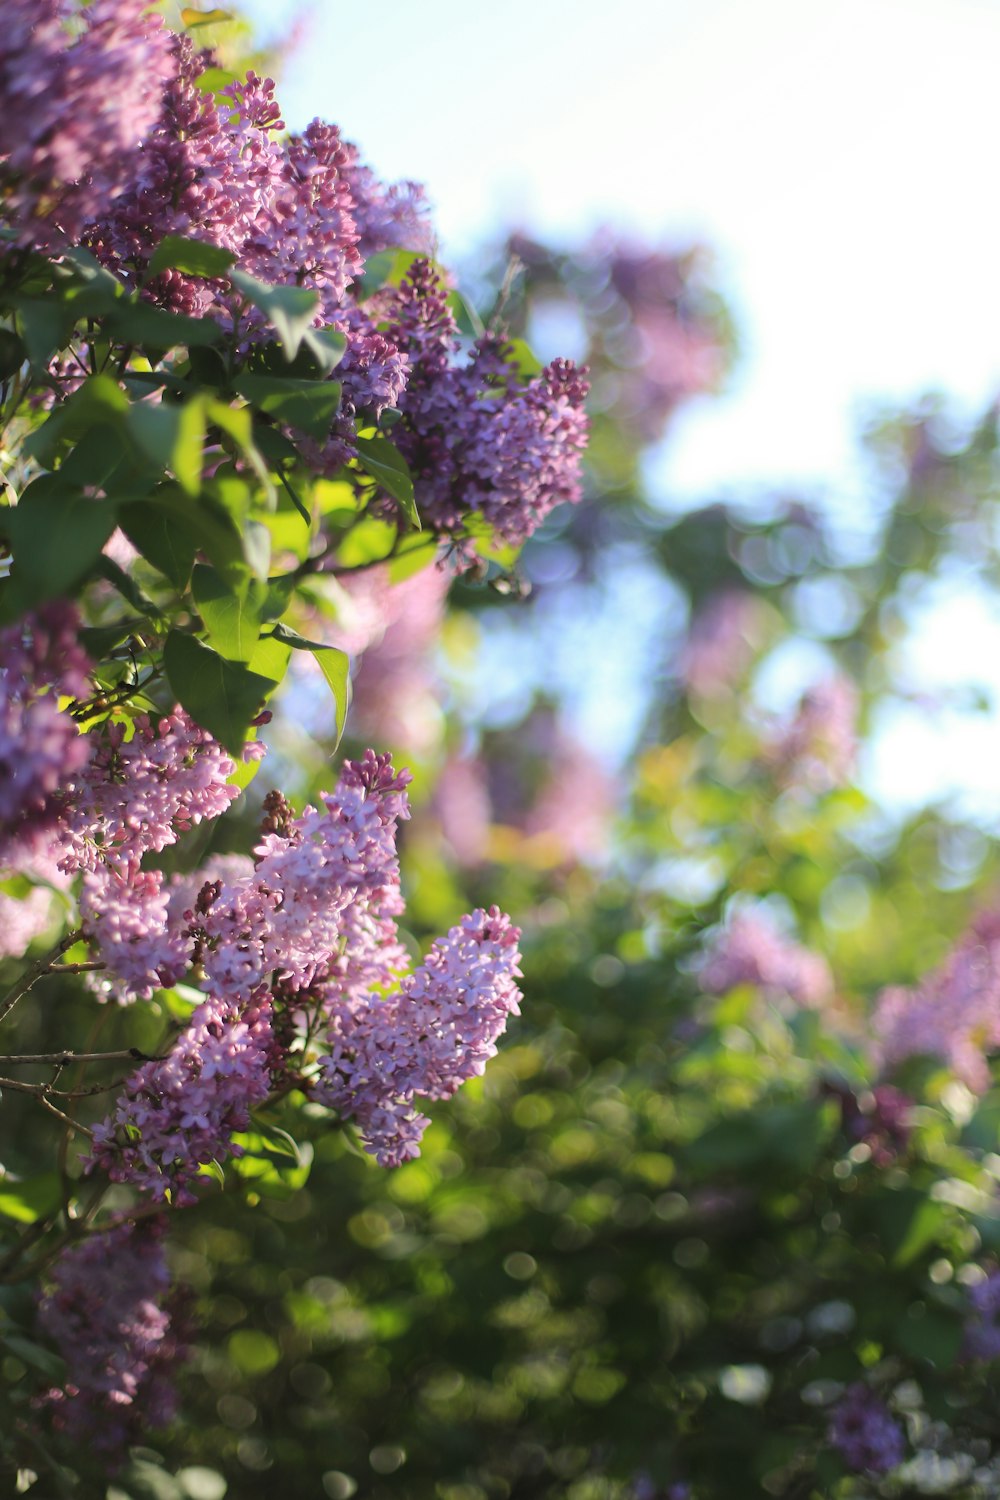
135	322
466	318
13	353
308	404
386	268
56	536
98	640
45	326
177	252
289	309
383	461
162	538
232	616
221	695
107	568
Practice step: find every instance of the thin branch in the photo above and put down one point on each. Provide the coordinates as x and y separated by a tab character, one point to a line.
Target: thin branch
65	1059
41	1092
38	970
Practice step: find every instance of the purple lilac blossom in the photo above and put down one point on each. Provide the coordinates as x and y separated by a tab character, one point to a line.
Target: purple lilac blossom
106	1313
953	1013
138	794
750	950
40	745
425	1041
288	917
73	111
718	647
865	1433
879	1118
396	696
179	1113
982	1330
477	436
817	749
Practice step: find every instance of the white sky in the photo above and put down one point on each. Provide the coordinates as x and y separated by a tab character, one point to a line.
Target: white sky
838	155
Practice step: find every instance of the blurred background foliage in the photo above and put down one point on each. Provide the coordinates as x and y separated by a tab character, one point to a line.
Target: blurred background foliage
646	1250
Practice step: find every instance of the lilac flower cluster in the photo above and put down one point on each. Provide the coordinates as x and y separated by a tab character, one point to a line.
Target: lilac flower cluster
425	1041
106	1313
718	647
982	1331
817	749
865	1433
309	929
669	350
879	1119
73	110
953	1013
177	1114
750	950
477	436
41	660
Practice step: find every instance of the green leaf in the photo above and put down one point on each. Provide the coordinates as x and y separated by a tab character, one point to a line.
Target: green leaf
56	535
107	568
519	353
191	17
271	658
327	347
177	252
31	1199
333	663
383	461
35	1355
98	640
221	695
162	538
289	309
412	555
135	322
45	327
13	353
909	1222
466	318
386	268
308	404
173	437
232	616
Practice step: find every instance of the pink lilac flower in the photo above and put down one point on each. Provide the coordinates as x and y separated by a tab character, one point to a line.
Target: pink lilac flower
865	1433
288	918
423	1042
478	437
139	794
982	1330
718	647
387	217
179	1113
124	911
750	950
953	1013
879	1118
40	746
73	110
108	1315
817	749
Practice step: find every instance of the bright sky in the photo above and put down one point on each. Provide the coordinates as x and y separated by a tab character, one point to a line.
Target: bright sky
838	155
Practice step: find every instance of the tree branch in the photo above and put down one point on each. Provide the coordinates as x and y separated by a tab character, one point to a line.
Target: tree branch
38	970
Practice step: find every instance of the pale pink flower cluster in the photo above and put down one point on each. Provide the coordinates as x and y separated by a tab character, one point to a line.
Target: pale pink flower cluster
953	1013
750	950
308	930
718	647
395	696
178	1114
437	1031
818	748
107	1313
